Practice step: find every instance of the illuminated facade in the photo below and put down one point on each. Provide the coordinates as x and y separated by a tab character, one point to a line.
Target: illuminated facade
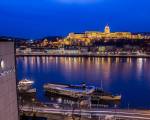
89	36
107	29
44	43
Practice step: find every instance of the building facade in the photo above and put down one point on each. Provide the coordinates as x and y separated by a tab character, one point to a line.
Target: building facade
88	36
8	92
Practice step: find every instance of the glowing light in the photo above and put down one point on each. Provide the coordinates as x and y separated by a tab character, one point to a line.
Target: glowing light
59	100
2	64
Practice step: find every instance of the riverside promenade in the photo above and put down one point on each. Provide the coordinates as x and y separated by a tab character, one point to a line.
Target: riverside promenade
88	114
82	55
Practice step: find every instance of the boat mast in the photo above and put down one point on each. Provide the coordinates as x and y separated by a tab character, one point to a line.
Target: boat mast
101	84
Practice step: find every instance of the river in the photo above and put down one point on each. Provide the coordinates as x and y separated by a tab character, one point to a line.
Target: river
129	77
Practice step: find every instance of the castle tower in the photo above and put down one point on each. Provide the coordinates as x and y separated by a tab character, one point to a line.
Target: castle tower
107	29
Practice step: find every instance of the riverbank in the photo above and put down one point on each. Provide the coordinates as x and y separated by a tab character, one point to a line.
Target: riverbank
81	55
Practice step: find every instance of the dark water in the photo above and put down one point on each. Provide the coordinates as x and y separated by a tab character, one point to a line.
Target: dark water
125	76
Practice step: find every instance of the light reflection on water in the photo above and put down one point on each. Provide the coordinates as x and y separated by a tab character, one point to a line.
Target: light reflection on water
127	76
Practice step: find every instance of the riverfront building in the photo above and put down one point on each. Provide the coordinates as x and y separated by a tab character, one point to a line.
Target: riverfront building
8	94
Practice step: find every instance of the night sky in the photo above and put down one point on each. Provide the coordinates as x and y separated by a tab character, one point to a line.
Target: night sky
40	18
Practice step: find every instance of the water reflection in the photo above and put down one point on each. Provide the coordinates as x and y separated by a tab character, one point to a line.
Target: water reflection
119	75
93	67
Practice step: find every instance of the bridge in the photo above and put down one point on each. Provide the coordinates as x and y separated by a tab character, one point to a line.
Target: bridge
89	113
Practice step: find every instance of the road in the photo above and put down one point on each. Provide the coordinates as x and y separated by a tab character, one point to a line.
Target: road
118	113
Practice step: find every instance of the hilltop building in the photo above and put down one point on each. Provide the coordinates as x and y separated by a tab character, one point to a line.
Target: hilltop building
89	36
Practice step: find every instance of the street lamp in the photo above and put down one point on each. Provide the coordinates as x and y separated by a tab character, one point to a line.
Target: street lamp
115	106
79	105
22	117
34	113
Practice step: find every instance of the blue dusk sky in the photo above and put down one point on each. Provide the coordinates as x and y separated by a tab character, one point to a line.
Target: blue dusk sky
40	18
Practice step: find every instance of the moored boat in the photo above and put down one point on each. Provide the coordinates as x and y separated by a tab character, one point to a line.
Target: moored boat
78	91
99	94
74	91
25	85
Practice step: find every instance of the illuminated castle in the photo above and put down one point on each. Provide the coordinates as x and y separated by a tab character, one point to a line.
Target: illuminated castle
88	36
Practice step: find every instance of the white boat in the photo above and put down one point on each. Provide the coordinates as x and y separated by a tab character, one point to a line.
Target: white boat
25	84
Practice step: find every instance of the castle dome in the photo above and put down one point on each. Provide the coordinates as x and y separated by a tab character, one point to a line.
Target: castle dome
107	29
